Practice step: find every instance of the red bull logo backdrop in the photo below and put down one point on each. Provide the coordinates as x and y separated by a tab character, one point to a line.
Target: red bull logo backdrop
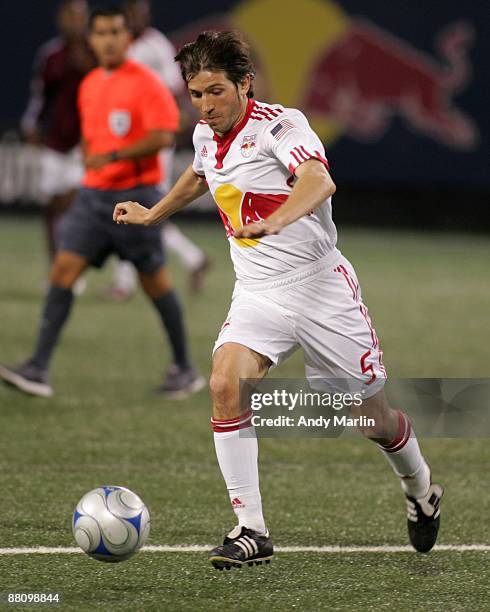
363	86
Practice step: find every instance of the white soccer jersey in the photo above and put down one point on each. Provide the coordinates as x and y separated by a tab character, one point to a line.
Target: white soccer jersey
154	50
250	173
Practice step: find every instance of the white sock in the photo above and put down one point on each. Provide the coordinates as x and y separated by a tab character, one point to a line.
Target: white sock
124	276
404	456
237	452
189	253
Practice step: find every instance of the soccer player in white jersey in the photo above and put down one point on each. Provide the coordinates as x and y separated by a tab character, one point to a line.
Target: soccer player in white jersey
153	49
268	174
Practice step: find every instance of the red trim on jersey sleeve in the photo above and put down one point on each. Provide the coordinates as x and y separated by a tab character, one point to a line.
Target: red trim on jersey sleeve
319	156
296	159
300	155
265	112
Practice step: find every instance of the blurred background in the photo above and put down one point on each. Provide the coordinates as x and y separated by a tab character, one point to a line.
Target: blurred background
398	95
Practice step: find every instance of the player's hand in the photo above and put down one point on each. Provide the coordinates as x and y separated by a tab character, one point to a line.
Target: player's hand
258	230
130	213
98	160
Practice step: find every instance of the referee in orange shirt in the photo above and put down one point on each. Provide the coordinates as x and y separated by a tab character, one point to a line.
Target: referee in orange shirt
127	116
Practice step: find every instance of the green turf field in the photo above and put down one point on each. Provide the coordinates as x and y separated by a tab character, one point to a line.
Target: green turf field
428	295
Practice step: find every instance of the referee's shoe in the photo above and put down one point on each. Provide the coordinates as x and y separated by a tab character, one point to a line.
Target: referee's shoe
28	378
242	546
180	382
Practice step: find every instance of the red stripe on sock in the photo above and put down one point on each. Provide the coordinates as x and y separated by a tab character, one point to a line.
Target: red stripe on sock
224	425
402	437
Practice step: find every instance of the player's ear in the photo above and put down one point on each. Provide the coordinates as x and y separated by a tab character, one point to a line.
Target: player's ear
246	85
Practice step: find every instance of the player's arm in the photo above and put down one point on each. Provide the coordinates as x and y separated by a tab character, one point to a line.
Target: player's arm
150	144
188	187
36	105
313	187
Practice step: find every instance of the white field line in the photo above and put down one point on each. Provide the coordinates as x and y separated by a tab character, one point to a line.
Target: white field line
44	550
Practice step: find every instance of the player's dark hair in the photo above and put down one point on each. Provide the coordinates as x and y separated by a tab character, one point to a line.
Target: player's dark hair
105	11
217	52
62	4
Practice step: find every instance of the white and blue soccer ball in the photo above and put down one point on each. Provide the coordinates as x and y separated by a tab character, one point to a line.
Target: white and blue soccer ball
111	523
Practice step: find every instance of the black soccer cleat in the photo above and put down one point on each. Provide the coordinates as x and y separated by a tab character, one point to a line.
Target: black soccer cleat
424	518
242	546
27	378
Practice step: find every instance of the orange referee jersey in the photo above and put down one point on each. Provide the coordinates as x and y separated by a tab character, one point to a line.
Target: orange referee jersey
118	108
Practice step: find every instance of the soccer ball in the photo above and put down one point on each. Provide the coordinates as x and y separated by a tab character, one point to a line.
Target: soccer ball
111	523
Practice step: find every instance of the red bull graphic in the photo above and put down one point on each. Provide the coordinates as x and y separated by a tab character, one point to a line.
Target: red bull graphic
368	76
351	77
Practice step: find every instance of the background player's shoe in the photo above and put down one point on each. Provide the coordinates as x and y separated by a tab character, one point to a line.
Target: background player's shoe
242	545
424	518
179	382
28	378
197	275
80	286
114	293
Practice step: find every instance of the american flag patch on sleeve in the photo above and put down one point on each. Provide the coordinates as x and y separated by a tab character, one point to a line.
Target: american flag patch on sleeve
281	128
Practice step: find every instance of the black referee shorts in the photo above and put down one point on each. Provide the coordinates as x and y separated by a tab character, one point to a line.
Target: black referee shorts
88	229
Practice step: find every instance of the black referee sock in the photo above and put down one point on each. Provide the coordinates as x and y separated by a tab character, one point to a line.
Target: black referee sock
170	312
57	306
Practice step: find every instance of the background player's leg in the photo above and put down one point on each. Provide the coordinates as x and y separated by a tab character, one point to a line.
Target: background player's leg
159	288
181	377
66	269
53	212
123	283
32	376
192	257
234	437
397	442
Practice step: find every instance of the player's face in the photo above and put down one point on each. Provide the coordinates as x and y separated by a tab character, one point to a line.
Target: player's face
109	39
138	14
219	101
72	19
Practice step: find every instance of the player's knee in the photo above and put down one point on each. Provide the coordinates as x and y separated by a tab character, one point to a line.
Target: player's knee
63	274
156	284
223	391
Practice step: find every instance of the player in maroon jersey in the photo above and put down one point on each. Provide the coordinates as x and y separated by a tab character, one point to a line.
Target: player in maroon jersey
51	118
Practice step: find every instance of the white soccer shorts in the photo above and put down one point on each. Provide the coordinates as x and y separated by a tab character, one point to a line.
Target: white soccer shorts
318	309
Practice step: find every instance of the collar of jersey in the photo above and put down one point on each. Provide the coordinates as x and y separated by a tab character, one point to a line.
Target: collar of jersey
125	64
224	142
